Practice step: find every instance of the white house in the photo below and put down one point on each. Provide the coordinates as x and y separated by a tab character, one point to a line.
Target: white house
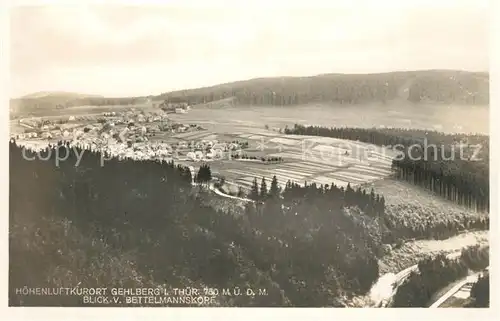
71	118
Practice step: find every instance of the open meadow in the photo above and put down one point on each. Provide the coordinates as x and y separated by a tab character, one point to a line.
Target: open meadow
305	158
444	118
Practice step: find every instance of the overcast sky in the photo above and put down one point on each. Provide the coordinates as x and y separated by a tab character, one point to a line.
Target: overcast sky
129	51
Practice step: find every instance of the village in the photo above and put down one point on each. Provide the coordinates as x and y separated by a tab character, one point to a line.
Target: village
135	133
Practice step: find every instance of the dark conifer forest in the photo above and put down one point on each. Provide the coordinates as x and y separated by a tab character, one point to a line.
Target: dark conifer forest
140	224
143	224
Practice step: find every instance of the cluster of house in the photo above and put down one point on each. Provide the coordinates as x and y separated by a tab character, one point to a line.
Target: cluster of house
133	116
209	150
178	107
139	151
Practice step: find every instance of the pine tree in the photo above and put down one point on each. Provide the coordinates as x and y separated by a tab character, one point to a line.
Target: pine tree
274	190
254	192
263	189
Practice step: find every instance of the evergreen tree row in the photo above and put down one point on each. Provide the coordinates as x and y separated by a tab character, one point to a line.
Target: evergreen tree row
141	224
394	226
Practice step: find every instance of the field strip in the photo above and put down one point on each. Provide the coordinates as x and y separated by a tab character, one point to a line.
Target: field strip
373	167
182	135
201	135
380	164
337	182
253	131
288	155
359	175
378	160
285	141
210	137
373	170
329	149
320	167
332	162
310	169
382	156
272	172
383	166
247	181
246	135
309	158
286	178
256	137
247	172
320	180
346	178
316	139
291	172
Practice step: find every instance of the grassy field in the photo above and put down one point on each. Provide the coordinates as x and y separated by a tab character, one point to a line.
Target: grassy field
446	118
306	159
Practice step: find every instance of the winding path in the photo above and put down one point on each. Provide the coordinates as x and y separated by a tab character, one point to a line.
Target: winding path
390	288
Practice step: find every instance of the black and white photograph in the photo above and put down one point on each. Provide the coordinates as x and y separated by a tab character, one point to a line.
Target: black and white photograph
249	155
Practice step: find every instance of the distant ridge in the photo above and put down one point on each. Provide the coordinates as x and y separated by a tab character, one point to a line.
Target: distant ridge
46	94
439	86
436	86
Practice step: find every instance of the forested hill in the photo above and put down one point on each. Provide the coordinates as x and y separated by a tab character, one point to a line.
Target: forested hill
440	86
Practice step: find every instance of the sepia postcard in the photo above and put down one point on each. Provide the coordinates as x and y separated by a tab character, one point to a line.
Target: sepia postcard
250	155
